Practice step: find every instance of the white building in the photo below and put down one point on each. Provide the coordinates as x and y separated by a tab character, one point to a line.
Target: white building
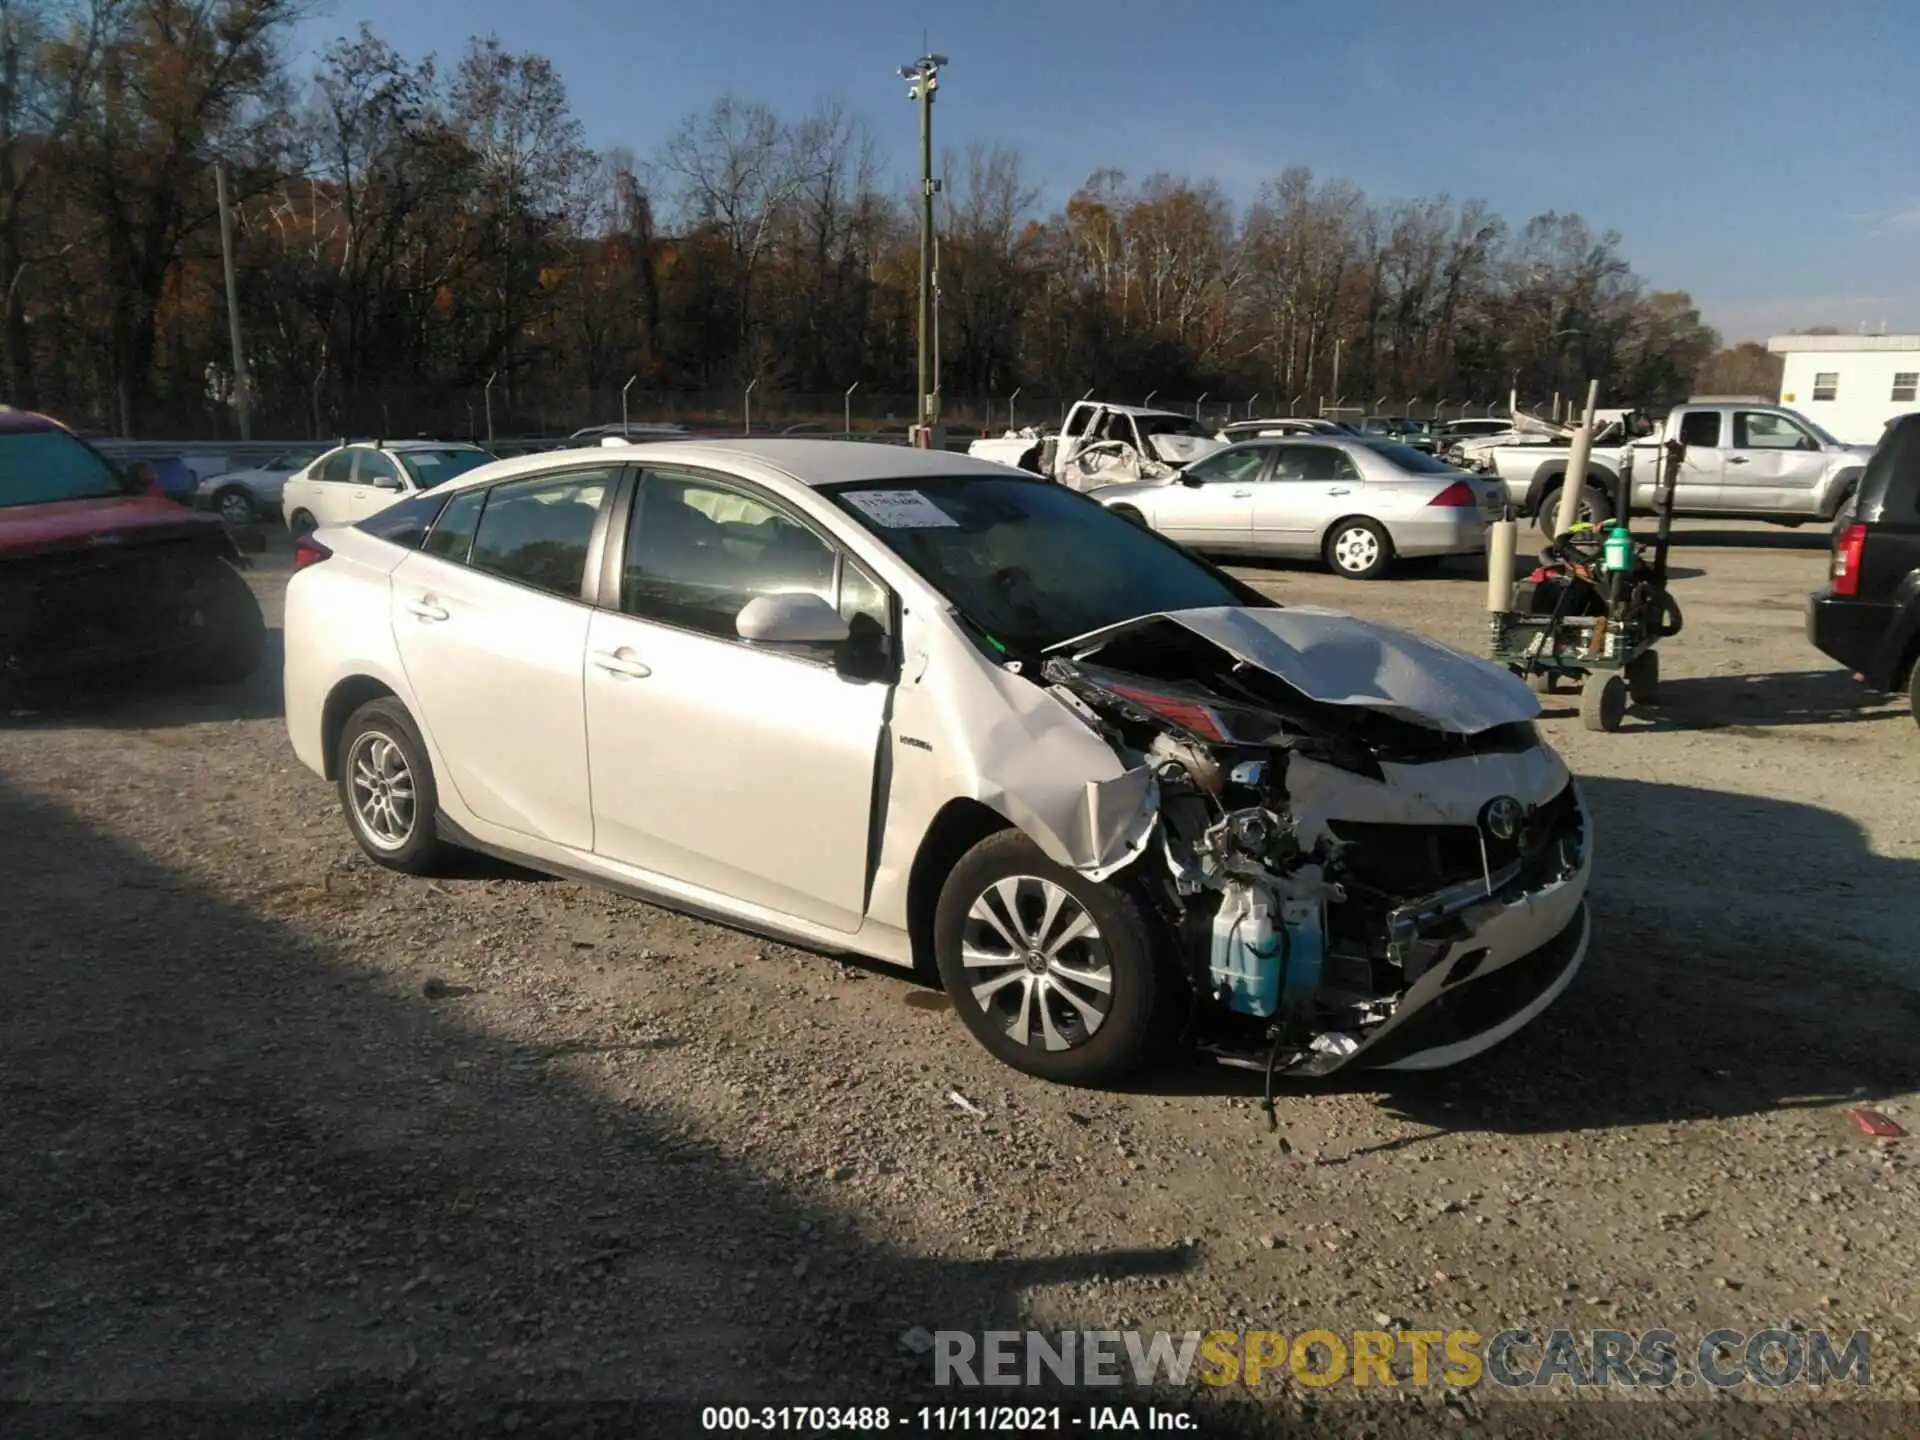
1851	384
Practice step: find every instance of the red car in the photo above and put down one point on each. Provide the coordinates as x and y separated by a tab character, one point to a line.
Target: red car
100	576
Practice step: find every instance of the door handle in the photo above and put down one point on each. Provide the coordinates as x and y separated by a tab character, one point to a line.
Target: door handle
621	662
1339	490
427	610
1243	494
1736	459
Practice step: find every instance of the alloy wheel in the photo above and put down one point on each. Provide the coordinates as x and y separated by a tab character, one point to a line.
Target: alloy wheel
1036	962
382	789
236	509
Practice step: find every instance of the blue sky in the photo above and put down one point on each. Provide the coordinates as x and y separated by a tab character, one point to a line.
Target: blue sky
1763	155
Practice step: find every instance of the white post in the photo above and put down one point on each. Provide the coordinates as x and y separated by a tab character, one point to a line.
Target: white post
624	431
1575	479
489	396
1146	402
1201	401
1250	403
848	401
1501	544
746	402
1013	424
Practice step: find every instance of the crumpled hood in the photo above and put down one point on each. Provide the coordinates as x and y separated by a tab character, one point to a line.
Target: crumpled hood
1184	449
1338	659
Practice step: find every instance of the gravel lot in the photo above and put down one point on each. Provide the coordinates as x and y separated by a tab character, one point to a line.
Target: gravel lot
282	1128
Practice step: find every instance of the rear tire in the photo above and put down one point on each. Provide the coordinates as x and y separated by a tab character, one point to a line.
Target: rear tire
236	506
1643	678
1132	516
302	524
1913	691
1594	509
230	638
1067	965
387	790
1357	549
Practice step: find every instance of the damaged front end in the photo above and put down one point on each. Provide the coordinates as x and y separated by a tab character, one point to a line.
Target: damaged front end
1364	848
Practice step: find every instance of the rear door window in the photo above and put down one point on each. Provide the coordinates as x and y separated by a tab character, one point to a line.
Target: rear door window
451	537
406	523
336	469
537	531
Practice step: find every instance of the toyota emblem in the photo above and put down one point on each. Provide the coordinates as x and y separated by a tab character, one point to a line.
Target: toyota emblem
1502	817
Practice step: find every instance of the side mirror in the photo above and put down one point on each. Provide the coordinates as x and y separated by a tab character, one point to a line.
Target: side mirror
800	619
145	477
385	482
1192	481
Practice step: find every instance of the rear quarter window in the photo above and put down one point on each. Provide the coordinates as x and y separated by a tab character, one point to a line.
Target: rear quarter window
406	524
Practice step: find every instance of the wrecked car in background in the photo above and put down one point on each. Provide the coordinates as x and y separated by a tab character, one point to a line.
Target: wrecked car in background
954	717
102	575
1102	444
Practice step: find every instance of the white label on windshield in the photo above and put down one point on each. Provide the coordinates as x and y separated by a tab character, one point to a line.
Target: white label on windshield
900	509
424	458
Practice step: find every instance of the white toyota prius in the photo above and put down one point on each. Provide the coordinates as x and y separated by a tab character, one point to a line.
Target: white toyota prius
945	714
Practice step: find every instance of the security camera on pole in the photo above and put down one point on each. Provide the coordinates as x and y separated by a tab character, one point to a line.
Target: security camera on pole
924	78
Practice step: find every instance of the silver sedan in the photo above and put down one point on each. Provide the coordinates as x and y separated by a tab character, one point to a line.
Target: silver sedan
1355	504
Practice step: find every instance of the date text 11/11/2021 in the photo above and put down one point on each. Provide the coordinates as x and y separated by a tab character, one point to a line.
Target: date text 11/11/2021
948	1419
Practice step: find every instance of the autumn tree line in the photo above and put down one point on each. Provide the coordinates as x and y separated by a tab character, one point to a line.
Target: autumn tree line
421	244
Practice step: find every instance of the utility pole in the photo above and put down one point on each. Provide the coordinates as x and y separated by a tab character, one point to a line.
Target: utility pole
242	399
924	78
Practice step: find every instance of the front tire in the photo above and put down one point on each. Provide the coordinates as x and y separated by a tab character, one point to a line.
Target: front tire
1913	691
229	638
387	789
1358	550
1053	973
1603	702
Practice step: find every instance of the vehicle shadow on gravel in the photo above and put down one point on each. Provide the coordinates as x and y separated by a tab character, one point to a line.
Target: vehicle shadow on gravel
153	700
1662	1027
240	1168
1814	535
1748	703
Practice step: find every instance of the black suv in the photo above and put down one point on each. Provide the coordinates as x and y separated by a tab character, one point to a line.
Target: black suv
1868	617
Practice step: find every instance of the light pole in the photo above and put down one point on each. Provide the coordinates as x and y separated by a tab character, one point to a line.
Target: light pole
242	398
924	78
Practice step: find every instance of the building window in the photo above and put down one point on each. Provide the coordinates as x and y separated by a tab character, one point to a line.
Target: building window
1826	386
1905	383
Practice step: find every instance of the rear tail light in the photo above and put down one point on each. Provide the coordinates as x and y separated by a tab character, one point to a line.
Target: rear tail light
308	551
1846	560
1457	496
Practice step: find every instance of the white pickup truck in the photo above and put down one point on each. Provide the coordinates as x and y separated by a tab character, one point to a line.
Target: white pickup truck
1103	444
1743	462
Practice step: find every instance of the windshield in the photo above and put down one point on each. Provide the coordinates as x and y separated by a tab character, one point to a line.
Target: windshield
435	467
1414	462
39	467
1032	563
1151	425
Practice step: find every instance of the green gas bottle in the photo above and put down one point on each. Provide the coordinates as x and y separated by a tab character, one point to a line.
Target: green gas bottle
1619	549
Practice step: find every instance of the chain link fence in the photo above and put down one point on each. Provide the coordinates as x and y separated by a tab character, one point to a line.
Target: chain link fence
522	411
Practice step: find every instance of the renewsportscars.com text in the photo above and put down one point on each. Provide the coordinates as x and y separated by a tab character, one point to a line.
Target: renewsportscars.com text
1719	1359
